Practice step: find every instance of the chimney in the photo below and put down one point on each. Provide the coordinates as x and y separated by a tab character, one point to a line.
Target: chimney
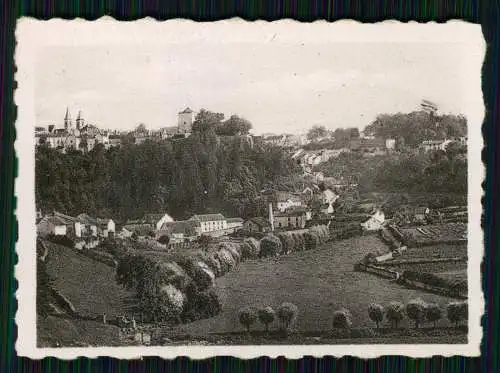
271	217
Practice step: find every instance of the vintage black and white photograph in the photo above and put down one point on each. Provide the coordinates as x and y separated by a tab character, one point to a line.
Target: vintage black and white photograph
250	184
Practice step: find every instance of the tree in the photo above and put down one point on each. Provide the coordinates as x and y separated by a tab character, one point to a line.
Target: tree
317	132
416	310
270	245
266	316
395	313
342	319
287	314
235	125
165	239
376	313
206	121
247	317
457	312
434	313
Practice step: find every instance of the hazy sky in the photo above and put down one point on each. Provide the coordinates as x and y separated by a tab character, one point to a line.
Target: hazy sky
278	86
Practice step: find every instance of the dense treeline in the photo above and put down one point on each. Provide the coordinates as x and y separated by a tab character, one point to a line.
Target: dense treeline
434	172
200	174
418	126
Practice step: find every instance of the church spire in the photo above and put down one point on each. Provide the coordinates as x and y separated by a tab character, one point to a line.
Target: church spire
67	120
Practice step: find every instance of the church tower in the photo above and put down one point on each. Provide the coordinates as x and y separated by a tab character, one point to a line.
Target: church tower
67	120
80	122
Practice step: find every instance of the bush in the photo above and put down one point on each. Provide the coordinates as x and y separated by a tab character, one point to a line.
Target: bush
164	240
457	312
311	240
342	319
322	232
433	313
234	250
376	313
250	248
226	260
61	240
416	310
266	316
200	305
287	315
299	241
287	242
247	317
395	313
269	246
174	274
201	274
214	264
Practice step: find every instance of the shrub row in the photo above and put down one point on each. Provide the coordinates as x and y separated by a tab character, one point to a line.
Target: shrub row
433	280
419	311
286	314
287	242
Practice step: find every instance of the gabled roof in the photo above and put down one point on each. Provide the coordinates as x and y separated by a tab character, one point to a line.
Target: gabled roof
153	218
187	227
87	219
420	210
186	111
66	219
208	217
54	220
260	221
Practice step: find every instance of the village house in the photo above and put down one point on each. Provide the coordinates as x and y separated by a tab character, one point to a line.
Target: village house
157	220
286	200
328	196
50	224
210	222
420	214
375	222
89	225
106	227
327	209
257	224
433	145
290	219
234	223
180	231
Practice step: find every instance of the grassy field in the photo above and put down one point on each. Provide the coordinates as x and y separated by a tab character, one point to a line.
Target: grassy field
59	332
318	282
88	284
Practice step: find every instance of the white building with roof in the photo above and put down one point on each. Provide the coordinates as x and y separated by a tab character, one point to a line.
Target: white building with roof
210	222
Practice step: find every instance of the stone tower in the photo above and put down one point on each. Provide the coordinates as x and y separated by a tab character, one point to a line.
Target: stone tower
185	120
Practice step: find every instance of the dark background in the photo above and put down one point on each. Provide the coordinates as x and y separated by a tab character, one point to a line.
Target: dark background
484	12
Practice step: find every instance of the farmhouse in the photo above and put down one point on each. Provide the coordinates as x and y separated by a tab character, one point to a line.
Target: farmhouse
106	227
179	231
157	220
329	196
258	224
89	225
286	200
51	225
420	214
234	223
210	222
292	218
73	225
375	222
